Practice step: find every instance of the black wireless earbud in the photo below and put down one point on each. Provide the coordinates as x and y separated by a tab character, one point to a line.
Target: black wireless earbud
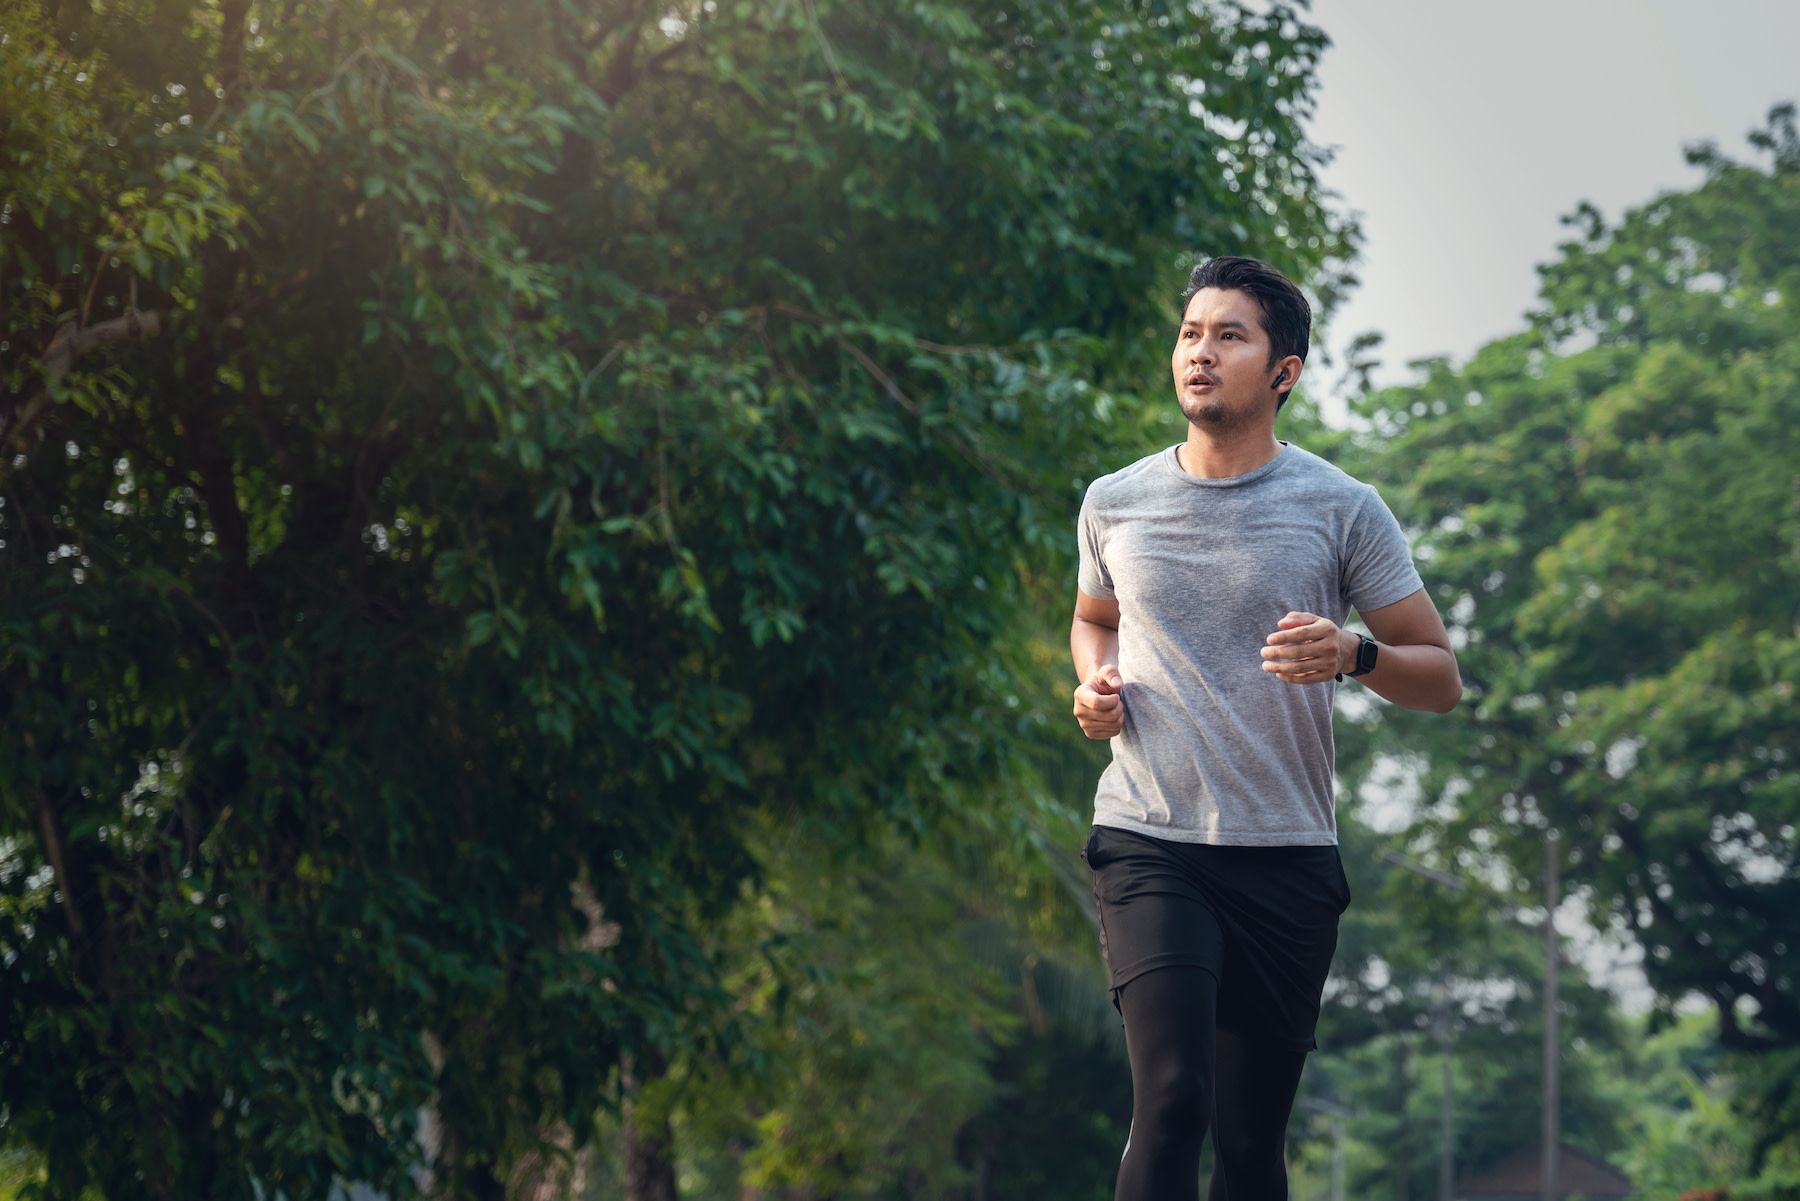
1281	379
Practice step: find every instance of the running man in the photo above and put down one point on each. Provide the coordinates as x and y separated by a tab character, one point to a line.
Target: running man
1215	580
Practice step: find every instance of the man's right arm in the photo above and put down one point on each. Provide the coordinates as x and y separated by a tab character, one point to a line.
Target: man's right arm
1094	646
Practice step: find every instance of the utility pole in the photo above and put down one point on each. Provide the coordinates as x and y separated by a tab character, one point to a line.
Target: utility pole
1444	1033
1402	1087
1446	1096
1797	538
1340	1162
1552	1128
1552	1035
1337	1114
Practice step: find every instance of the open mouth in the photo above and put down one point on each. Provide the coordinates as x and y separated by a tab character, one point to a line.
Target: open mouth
1199	380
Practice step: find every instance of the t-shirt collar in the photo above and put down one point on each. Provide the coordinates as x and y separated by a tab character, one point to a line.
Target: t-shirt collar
1173	464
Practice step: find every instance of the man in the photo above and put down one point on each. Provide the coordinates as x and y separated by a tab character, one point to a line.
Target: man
1215	580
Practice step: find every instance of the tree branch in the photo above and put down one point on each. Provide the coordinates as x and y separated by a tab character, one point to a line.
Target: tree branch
231	49
824	45
59	862
73	342
975	458
622	71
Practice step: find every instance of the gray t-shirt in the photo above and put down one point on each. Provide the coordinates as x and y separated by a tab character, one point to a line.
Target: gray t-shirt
1215	749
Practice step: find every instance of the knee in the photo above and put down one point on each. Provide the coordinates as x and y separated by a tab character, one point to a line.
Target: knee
1256	1160
1175	1090
1239	1146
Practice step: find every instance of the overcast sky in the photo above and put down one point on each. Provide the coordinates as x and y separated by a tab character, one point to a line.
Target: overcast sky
1464	131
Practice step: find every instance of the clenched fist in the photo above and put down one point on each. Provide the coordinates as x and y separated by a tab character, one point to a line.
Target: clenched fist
1098	706
1308	649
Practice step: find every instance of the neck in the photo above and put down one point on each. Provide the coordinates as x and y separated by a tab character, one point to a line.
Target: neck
1221	456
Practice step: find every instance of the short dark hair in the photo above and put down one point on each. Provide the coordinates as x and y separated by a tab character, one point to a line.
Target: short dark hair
1287	318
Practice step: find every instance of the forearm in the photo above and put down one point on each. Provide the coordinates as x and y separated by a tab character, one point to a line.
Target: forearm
1421	676
1092	646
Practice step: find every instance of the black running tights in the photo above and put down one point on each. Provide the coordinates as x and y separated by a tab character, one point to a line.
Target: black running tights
1185	1076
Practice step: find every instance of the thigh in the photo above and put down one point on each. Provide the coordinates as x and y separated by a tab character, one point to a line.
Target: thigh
1169	1037
1153	913
1279	916
1168	1016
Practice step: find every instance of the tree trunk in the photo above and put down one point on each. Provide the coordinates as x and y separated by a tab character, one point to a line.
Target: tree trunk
648	1143
480	1182
984	1171
1403	1138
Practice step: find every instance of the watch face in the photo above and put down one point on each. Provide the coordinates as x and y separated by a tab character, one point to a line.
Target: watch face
1365	655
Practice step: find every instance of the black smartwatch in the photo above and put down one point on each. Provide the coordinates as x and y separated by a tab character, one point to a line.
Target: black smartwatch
1366	651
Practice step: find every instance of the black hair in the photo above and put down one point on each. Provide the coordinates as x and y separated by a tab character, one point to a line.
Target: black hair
1286	319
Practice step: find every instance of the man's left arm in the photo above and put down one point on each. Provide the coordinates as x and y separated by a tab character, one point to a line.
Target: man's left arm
1414	666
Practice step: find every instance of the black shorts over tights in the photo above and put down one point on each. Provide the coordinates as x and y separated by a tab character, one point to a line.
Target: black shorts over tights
1262	920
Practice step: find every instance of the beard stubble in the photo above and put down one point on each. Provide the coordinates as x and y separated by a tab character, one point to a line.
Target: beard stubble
1215	417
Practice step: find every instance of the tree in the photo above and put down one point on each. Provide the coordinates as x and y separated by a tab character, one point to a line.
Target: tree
1612	531
468	465
1418	960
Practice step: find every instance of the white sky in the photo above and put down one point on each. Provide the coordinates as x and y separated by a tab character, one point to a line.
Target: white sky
1464	131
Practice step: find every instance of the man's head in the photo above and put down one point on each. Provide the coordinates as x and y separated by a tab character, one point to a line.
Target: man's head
1245	331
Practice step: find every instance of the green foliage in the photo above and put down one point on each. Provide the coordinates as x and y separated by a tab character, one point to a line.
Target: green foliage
471	469
1687	1133
1606	509
1060	1122
876	1027
1613	534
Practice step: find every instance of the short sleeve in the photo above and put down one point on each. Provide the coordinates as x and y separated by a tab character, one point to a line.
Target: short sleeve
1094	578
1378	565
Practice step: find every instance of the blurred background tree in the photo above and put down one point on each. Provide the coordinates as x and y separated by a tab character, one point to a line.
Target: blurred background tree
521	522
1424	972
1608	509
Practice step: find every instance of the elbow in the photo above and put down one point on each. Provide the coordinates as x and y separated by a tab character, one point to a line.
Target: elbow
1451	696
1440	692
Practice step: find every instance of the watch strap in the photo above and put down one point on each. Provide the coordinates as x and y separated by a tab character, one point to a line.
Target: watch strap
1366	651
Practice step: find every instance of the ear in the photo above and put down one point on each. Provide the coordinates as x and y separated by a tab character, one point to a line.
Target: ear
1286	373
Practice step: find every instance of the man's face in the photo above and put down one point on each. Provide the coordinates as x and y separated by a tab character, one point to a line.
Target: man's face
1221	362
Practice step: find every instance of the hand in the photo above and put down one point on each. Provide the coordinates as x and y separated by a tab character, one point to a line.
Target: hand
1098	706
1307	649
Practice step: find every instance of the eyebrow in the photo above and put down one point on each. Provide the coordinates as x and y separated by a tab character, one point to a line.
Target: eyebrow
1221	325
